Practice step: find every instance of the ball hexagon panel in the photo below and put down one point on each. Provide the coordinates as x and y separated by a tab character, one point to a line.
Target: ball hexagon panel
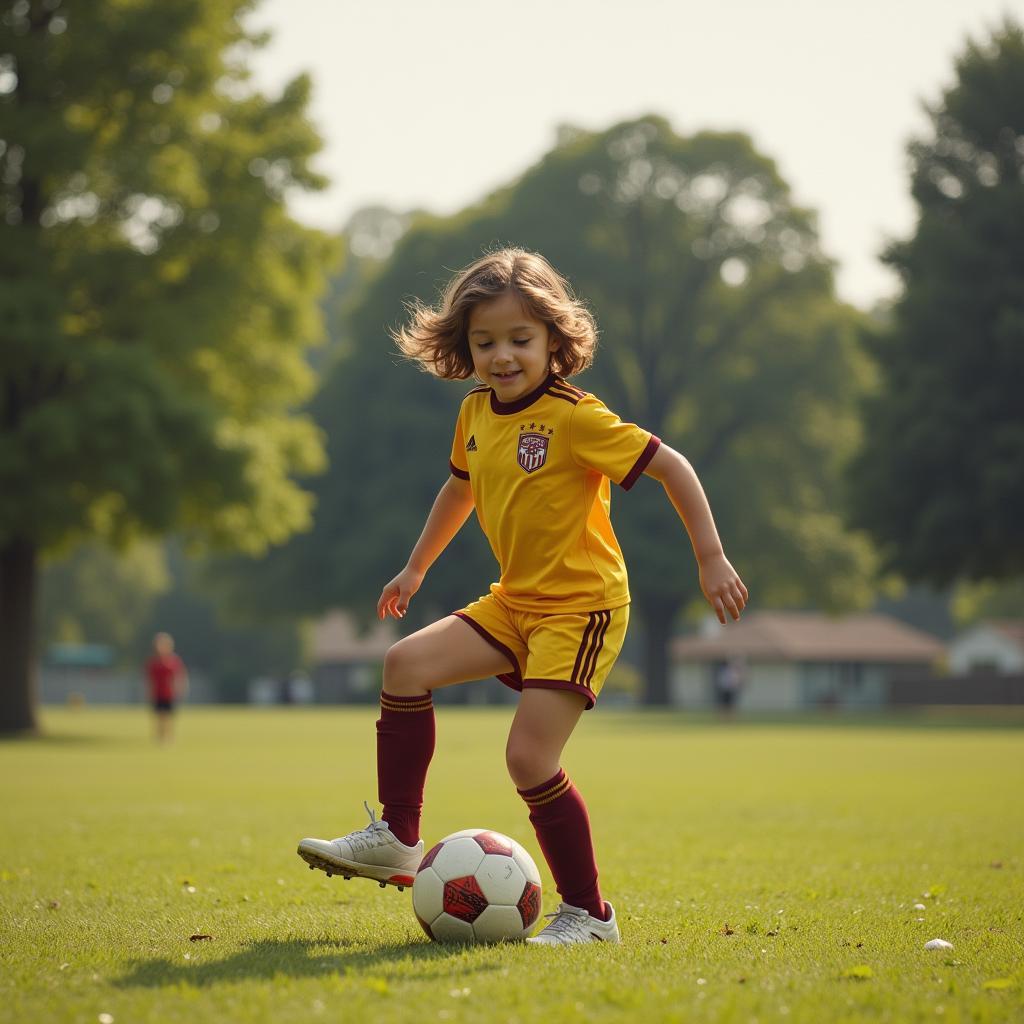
529	905
427	895
494	842
450	929
463	898
428	858
497	923
500	879
457	858
526	864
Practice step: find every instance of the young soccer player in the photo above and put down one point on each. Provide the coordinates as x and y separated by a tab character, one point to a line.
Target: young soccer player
534	456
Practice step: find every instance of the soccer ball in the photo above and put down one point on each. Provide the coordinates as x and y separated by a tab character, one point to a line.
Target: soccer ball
477	886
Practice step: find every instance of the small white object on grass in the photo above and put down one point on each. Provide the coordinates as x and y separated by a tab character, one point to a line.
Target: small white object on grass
920	906
938	944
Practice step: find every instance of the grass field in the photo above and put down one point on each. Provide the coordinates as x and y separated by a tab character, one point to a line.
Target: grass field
760	871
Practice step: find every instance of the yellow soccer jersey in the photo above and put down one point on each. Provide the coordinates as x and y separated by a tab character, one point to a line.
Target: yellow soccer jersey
540	469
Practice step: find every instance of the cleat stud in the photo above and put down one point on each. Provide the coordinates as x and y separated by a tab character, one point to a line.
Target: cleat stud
401	888
383	885
312	867
328	873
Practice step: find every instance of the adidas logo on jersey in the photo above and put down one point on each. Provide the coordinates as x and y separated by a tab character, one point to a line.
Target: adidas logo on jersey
471	444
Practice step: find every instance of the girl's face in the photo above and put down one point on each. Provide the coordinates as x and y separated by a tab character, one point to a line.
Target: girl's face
511	350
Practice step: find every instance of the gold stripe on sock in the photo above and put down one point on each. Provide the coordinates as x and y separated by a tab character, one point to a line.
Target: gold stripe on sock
420	705
549	794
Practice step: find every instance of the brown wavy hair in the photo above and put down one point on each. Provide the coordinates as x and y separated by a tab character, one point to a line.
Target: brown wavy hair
438	337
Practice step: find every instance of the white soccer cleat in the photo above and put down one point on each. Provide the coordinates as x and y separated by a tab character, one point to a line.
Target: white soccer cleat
574	924
372	852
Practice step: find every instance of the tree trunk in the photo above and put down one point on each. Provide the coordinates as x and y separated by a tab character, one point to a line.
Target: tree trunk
18	691
657	627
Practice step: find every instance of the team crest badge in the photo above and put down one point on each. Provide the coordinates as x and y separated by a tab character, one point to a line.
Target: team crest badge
533	451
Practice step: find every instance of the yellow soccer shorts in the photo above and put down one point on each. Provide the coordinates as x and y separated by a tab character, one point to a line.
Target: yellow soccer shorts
571	651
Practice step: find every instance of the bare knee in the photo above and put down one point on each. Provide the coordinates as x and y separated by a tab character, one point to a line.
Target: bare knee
529	762
403	670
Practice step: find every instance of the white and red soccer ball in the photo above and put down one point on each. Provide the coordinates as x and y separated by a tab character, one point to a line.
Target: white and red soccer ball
477	886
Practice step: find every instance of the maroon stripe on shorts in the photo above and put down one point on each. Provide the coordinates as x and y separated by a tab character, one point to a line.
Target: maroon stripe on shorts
590	661
591	623
517	672
598	644
641	463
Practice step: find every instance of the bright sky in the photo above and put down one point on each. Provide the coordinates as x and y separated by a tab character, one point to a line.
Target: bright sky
433	105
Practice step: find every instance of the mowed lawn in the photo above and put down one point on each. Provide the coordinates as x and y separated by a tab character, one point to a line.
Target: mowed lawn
787	871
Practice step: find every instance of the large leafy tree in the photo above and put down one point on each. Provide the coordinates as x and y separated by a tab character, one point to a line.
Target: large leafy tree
721	334
156	299
940	480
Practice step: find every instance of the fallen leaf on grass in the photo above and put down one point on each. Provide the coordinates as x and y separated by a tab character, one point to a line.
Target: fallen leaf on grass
998	984
54	904
199	937
861	972
728	930
773	932
996	864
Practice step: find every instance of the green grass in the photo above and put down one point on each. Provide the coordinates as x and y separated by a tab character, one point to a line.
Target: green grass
810	841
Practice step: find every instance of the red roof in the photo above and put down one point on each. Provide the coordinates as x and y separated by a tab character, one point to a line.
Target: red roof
1012	629
810	636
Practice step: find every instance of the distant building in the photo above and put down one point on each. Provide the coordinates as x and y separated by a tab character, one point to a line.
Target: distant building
347	666
788	661
90	674
346	661
995	648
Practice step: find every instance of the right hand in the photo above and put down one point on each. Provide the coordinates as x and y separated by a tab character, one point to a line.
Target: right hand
395	597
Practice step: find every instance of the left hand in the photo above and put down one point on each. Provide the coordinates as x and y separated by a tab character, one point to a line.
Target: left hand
722	587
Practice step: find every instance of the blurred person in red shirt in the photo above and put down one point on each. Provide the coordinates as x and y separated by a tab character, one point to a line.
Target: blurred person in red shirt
168	682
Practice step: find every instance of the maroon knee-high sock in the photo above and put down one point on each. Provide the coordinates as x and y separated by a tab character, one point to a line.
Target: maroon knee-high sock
559	817
405	745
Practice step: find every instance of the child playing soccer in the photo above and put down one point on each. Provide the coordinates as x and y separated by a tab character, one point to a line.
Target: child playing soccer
533	455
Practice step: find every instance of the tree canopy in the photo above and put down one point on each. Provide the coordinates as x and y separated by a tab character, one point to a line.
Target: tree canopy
155	296
940	480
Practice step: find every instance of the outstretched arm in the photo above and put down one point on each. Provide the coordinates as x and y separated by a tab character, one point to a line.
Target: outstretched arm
451	509
720	582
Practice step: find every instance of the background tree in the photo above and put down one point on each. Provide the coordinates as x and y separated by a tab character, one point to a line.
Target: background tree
156	299
97	594
940	480
720	332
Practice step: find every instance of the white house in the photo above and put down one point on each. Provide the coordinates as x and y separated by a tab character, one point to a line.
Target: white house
796	660
994	647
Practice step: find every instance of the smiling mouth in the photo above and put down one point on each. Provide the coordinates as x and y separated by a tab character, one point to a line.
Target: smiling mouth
507	375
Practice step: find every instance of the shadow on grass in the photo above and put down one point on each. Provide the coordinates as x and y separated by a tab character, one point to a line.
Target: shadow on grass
265	959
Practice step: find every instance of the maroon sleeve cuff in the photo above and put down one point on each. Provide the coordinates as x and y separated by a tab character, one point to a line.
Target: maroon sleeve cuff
461	473
641	463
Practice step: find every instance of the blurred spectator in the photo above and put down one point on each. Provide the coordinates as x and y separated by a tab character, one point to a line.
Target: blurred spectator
729	679
168	682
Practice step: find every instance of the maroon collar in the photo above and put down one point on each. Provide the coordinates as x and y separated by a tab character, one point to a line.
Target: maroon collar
508	408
